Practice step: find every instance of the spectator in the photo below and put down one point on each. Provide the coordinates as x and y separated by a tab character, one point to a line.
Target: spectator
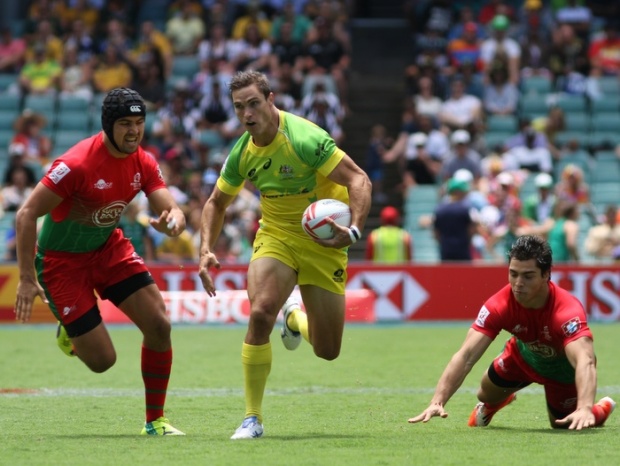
41	75
538	207
534	55
504	196
425	102
604	52
572	186
111	72
603	239
550	126
326	56
45	35
216	51
81	38
568	52
466	15
17	152
330	99
76	77
15	193
491	9
500	95
149	83
455	223
390	243
115	35
153	47
466	48
528	156
12	51
579	16
254	15
321	115
462	156
461	110
563	233
378	145
299	24
79	10
500	47
29	132
176	249
287	53
418	166
525	131
185	30
253	52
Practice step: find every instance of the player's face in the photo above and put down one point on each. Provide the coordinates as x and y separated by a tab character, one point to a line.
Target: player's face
529	286
128	133
254	111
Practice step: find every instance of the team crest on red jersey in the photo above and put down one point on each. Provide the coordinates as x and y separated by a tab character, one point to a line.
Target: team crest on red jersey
571	326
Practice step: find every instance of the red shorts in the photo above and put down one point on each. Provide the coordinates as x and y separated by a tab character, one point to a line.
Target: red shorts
510	367
70	279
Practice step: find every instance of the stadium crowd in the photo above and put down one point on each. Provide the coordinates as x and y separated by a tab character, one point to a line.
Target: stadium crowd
512	110
497	92
58	62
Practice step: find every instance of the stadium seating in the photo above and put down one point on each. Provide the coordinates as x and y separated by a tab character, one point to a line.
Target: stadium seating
536	85
606	104
9	102
185	66
73	121
502	123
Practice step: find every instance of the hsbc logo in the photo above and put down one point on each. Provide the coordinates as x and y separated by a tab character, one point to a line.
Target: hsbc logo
398	294
135	108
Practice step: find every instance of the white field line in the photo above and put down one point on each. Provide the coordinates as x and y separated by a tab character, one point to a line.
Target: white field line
224	392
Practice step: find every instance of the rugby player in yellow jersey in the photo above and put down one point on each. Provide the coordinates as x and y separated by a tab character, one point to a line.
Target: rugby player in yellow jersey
292	162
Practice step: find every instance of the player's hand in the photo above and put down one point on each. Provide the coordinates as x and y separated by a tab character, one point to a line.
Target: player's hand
171	223
581	418
434	410
206	262
341	238
27	291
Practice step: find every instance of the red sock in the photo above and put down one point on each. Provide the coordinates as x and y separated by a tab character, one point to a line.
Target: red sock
600	416
156	368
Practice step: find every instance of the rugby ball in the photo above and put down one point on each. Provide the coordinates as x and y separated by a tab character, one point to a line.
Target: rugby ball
314	219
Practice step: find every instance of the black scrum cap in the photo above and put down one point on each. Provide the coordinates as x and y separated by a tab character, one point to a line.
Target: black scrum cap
119	103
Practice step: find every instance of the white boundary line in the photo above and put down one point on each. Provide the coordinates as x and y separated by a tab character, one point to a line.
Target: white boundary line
224	392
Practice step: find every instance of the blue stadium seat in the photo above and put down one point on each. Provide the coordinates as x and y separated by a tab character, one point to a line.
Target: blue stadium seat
606	171
533	105
72	104
536	85
9	102
572	104
606	104
45	104
577	121
606	122
609	85
6	80
185	66
7	118
502	123
73	121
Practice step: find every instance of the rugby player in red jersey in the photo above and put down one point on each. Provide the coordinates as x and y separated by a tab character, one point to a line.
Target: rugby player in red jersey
551	345
79	248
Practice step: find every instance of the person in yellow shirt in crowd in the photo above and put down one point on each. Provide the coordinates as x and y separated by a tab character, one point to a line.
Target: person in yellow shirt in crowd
41	75
389	244
111	72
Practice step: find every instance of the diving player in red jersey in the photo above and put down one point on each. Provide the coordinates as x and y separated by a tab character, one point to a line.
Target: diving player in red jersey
80	250
551	345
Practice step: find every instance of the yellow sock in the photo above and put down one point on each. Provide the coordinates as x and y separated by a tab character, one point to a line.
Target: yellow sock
256	361
298	322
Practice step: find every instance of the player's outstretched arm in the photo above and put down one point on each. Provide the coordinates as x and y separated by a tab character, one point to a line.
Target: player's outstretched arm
211	223
40	202
171	219
454	374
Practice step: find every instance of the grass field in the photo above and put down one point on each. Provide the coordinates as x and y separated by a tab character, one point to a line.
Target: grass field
352	411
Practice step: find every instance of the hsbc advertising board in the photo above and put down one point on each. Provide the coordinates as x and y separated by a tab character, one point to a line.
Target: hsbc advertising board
430	292
374	293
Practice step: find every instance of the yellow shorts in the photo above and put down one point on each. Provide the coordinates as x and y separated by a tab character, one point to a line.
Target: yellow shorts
314	264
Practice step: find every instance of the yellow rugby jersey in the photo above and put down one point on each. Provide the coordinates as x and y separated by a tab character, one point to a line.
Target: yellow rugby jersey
290	173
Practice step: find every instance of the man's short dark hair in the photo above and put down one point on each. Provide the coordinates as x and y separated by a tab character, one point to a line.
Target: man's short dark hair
528	247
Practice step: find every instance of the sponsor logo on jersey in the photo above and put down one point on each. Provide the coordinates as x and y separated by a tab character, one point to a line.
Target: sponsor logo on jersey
482	316
518	328
286	171
571	326
109	215
135	108
102	184
136	183
59	172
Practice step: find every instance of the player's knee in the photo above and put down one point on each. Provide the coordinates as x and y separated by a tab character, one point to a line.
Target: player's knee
327	353
102	362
